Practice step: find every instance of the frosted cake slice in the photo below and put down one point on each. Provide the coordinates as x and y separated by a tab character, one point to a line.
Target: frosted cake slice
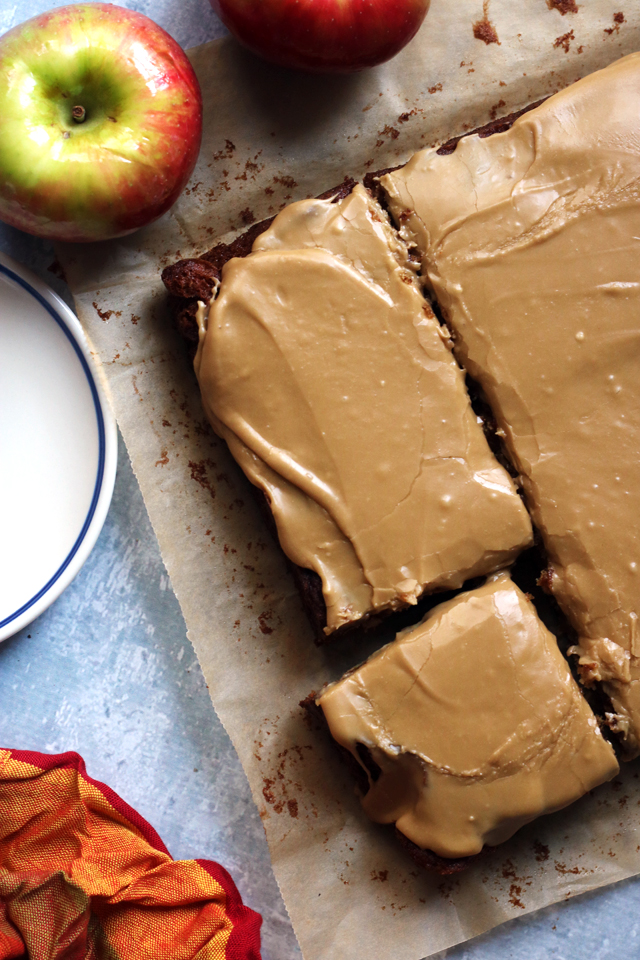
332	382
469	725
529	242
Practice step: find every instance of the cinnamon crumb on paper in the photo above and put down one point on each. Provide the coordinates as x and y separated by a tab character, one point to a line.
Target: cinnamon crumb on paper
564	41
483	29
618	20
515	892
563	6
225	154
106	314
390	131
541	851
287	182
199	474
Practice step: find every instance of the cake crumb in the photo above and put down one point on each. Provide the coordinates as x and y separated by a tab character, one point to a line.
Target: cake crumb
618	20
199	474
515	892
563	6
483	29
229	149
104	314
564	41
286	181
389	132
541	851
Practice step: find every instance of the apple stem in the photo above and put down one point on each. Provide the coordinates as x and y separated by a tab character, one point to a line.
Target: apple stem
78	114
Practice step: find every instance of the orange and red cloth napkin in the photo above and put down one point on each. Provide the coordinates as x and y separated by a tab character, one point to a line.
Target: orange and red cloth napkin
84	877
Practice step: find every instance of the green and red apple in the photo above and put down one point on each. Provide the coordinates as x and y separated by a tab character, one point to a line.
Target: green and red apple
323	35
100	122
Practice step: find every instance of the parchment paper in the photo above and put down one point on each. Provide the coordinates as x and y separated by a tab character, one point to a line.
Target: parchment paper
270	137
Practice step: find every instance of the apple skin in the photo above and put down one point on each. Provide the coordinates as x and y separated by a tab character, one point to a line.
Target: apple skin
336	36
127	163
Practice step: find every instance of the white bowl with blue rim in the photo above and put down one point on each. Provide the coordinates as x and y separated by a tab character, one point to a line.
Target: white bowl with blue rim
58	447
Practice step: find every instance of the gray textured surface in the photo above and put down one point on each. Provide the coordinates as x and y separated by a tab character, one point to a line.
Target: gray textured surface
108	671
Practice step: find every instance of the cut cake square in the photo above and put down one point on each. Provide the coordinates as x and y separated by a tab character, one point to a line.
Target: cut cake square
468	725
325	370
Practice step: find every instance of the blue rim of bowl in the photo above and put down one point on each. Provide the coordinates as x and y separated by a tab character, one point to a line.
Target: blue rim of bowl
101	443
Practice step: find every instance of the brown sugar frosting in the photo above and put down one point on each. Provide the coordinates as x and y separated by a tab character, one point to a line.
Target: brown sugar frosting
475	723
329	377
530	242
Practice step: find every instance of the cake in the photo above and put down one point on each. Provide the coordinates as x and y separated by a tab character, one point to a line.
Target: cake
468	725
340	391
328	375
529	244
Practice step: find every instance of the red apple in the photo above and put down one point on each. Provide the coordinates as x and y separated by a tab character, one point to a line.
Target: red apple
323	35
100	122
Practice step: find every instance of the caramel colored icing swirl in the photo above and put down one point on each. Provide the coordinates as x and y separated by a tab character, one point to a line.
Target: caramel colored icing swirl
530	241
328	375
474	721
